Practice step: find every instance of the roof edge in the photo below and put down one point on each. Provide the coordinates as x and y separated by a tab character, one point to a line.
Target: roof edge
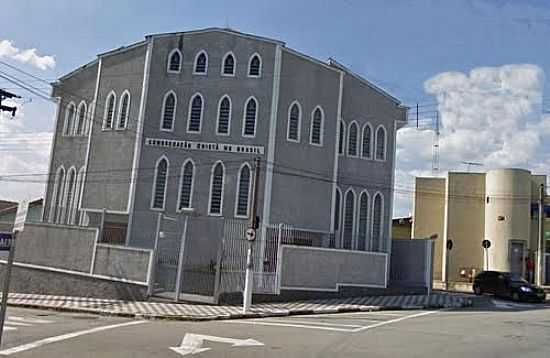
219	29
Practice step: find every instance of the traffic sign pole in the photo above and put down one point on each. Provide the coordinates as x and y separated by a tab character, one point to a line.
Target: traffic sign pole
6	289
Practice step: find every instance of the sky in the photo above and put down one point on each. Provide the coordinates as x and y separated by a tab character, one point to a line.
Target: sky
481	63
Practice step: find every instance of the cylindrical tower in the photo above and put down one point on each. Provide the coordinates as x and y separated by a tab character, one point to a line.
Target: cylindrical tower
507	218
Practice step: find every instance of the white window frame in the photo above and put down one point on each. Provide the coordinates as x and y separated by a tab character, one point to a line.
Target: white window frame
250	63
211	189
295	102
67	207
371	142
195	64
354	221
358	137
378	193
168	70
228	120
89	119
338	239
152	204
77	194
234	65
164	107
322	127
342	134
67	130
255	117
188	160
245	164
367	228
190	107
54	204
118	127
380	127
77	119
106	112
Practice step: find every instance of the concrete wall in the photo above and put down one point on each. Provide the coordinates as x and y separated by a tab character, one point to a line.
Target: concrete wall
122	262
410	263
317	269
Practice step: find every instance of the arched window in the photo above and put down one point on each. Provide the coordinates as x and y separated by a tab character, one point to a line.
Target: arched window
78	193
352	139
109	111
250	115
224	116
255	66
57	195
123	110
168	111
316	129
89	117
80	119
380	143
69	119
69	196
366	146
377	221
215	204
294	122
228	65
159	184
337	209
175	59
186	184
363	221
201	63
349	219
195	114
341	138
243	192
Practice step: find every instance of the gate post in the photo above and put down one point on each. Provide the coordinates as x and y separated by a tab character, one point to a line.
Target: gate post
150	287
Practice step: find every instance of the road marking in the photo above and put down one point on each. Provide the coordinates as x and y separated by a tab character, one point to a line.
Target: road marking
394	320
8	321
28	320
192	343
312	326
8	328
54	339
315	323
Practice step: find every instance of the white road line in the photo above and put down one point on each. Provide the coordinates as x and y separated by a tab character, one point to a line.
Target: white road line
393	321
41	342
263	323
353	314
312	323
18	323
27	319
8	328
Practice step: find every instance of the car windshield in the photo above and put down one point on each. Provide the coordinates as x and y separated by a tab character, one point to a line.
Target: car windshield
515	278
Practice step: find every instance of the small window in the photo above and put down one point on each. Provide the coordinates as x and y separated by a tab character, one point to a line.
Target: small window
224	116
366	147
349	219
243	191
380	143
174	61
316	129
352	139
109	111
377	221
228	65
362	243
186	185
255	66
341	137
159	184
201	63
123	110
294	122
250	114
215	205
168	112
69	119
81	119
195	114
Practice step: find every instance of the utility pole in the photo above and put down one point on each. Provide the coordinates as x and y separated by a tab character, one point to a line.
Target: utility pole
5	95
251	236
538	278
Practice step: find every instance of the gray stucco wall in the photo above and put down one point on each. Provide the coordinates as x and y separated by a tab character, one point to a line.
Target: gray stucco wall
121	262
409	262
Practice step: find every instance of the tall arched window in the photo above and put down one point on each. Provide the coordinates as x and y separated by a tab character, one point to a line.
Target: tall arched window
224	116
123	110
366	146
68	201
186	184
380	143
363	231
159	184
228	65
349	219
377	221
215	204
337	209
80	119
250	116
194	121
243	192
201	63
255	66
294	122
168	111
341	138
57	195
109	111
353	134
69	119
175	59
78	193
316	128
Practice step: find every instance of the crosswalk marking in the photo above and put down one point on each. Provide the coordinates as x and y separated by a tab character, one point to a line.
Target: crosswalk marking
10	322
28	319
13	322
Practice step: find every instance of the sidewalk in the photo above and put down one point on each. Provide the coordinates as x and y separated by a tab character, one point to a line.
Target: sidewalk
196	312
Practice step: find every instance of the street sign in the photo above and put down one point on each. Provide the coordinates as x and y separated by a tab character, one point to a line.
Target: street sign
250	234
486	244
6	239
449	244
21	215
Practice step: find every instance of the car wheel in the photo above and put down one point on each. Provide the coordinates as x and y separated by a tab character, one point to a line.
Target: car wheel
477	290
515	296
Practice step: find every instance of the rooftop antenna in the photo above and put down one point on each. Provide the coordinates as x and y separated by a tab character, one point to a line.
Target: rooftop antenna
468	164
435	149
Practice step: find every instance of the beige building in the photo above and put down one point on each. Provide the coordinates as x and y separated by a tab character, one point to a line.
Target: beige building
466	208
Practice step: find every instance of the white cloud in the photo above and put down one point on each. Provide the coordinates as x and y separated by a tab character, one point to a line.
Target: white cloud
29	56
491	115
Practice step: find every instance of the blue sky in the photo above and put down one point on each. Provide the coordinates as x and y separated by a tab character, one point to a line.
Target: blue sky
397	44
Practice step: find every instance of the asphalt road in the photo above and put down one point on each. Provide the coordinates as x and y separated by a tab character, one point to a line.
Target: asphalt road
501	330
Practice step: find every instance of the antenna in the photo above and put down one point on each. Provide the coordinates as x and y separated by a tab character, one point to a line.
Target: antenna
468	164
435	149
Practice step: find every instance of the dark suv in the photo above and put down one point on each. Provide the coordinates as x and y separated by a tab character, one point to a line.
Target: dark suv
505	284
